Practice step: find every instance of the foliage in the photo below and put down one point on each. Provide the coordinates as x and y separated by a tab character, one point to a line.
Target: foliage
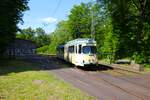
80	20
43	49
61	35
11	15
27	34
130	18
110	46
39	36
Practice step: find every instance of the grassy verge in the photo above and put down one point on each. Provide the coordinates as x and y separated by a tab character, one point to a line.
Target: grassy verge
104	61
147	68
24	81
147	65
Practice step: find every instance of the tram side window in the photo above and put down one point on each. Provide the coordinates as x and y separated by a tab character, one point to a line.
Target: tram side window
80	49
71	49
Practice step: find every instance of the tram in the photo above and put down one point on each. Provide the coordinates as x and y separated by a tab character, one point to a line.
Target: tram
80	52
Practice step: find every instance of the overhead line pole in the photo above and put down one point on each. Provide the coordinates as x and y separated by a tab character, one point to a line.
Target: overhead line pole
92	21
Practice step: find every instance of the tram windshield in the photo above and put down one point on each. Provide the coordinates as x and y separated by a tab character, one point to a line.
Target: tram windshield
89	49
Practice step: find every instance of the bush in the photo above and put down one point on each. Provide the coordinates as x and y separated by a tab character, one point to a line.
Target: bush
43	49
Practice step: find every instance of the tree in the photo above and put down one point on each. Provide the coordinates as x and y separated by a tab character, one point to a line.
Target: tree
37	35
80	20
130	19
41	38
142	29
27	34
11	15
61	35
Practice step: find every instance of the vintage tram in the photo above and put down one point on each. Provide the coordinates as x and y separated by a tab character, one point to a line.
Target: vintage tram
80	52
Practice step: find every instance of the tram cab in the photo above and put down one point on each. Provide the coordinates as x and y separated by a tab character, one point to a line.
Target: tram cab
81	52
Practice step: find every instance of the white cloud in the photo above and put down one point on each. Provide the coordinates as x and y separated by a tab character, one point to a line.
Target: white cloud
48	20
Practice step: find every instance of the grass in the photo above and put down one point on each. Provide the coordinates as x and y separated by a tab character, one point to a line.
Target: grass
147	68
104	61
147	65
20	80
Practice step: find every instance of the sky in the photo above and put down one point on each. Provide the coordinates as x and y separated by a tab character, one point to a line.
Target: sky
47	13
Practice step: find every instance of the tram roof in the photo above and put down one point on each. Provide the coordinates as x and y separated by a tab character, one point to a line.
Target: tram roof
81	40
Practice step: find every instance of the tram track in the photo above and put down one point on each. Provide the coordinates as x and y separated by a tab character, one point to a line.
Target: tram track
123	74
116	86
97	82
123	77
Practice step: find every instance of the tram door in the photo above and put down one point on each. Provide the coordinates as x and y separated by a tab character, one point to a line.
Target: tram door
74	55
77	53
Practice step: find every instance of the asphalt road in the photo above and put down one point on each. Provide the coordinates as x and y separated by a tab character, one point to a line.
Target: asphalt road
101	85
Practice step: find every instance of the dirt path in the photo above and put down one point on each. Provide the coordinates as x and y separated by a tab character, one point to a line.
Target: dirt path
101	85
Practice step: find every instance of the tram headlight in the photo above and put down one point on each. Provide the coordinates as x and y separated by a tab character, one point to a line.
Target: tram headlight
89	60
92	60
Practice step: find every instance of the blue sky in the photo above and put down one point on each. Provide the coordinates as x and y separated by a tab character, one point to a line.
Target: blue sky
47	13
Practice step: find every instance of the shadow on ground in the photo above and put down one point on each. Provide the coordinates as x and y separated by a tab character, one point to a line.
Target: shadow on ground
29	63
96	68
86	68
39	63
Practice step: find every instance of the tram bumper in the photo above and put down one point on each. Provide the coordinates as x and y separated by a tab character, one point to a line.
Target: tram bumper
90	63
85	63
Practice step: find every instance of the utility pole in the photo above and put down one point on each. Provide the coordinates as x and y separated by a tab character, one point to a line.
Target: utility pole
92	22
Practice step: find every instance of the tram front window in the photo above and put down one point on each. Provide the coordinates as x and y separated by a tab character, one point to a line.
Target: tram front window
89	49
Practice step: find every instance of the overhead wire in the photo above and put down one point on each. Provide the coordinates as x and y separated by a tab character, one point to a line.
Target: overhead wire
57	7
54	12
